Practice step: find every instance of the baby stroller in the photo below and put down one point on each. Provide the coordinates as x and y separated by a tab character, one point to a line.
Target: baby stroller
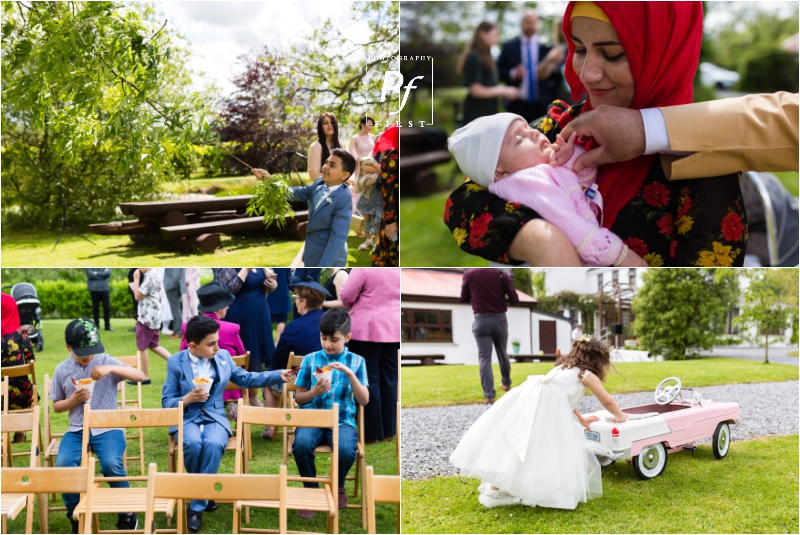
29	311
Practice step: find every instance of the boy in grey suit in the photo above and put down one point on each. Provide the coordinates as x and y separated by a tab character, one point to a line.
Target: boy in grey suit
330	208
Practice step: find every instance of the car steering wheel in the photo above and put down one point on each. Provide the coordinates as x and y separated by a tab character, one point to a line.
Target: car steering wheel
665	394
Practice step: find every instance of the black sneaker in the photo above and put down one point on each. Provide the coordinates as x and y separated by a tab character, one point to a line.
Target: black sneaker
110	328
75	527
128	522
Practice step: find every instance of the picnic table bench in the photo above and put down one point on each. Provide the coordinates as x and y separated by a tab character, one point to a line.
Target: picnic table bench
197	224
423	148
425	360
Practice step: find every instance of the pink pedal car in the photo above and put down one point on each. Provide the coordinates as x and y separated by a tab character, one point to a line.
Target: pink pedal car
669	425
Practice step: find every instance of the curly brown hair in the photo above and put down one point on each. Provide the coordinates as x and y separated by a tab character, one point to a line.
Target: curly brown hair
588	353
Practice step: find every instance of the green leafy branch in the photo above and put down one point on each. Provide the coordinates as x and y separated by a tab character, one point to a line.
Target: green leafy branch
271	198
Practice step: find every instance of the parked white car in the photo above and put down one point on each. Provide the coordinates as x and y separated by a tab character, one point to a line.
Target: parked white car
717	77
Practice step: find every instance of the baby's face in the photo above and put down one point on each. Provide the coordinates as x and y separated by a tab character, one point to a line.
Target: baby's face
522	147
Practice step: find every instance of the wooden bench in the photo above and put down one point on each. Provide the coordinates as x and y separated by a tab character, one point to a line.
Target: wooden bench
425	360
533	358
423	149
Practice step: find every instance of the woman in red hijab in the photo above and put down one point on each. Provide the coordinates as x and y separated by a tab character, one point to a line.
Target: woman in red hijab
635	55
16	350
386	152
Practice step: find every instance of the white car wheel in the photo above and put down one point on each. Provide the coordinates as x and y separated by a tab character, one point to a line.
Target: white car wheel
651	461
721	441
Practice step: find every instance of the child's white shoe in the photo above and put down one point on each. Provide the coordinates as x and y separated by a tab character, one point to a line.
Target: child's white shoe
496	498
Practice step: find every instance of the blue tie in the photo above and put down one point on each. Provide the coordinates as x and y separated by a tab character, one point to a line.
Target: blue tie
319	195
531	73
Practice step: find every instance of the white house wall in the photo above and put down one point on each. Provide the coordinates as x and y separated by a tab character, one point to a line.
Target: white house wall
463	349
563	333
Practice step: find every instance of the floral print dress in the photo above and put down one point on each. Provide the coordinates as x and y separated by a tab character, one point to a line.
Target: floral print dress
700	222
386	252
17	350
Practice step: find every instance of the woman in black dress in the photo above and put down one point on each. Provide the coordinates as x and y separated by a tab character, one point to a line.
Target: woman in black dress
479	73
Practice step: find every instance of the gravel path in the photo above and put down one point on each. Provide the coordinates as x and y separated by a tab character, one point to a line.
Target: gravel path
429	435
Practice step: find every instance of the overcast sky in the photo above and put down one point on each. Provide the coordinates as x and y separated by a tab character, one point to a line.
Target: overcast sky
219	32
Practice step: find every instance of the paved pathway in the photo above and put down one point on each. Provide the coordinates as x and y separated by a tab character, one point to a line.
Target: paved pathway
777	355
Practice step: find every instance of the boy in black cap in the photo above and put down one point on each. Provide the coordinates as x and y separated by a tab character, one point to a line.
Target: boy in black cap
88	359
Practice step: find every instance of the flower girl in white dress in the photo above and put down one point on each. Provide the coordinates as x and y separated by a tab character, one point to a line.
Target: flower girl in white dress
528	448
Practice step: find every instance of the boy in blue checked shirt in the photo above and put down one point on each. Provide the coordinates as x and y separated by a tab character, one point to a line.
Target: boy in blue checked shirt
349	381
88	359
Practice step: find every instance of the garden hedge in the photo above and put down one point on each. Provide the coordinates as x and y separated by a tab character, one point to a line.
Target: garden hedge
63	299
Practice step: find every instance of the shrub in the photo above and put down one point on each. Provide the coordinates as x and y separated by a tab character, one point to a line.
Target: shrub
63	299
769	70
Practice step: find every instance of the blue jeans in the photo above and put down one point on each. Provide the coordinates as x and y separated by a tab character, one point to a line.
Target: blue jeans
109	448
202	452
306	440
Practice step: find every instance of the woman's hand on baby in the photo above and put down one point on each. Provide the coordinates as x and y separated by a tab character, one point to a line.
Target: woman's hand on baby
562	150
261	174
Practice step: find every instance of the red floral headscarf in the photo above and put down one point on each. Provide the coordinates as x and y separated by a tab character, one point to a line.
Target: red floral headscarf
10	315
662	43
389	140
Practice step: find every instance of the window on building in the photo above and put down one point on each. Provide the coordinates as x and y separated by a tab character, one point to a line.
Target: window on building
731	327
632	276
615	275
599	282
426	325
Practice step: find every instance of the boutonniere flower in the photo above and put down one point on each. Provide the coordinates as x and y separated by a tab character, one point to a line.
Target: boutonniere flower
328	200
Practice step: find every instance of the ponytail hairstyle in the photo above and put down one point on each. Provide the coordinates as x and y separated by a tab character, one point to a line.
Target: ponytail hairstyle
588	353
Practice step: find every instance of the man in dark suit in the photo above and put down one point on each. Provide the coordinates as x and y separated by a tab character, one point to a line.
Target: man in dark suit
526	63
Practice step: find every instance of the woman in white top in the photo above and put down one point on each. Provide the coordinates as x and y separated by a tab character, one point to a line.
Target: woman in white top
327	140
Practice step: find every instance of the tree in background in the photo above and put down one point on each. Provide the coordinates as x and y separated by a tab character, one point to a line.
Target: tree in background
522	280
344	75
770	303
750	43
265	116
679	311
95	101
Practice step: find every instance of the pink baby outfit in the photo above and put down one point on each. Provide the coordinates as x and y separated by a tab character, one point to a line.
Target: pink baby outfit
557	194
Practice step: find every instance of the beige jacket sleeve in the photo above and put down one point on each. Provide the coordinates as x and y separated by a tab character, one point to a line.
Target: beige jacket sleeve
750	133
314	164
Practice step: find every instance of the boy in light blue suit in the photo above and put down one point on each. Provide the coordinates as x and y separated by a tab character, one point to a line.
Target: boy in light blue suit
330	208
205	427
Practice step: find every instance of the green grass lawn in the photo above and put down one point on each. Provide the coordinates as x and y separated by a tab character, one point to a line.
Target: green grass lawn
35	248
789	181
267	456
426	239
223	186
429	386
752	490
792	354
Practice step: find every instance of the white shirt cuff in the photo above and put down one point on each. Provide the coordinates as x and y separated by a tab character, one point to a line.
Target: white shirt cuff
655	131
656	138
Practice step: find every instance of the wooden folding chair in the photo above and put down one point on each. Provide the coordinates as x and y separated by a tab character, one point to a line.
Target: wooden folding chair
134	499
397	438
6	454
133	403
23	370
44	481
380	489
219	487
289	390
51	442
242	361
12	503
323	499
